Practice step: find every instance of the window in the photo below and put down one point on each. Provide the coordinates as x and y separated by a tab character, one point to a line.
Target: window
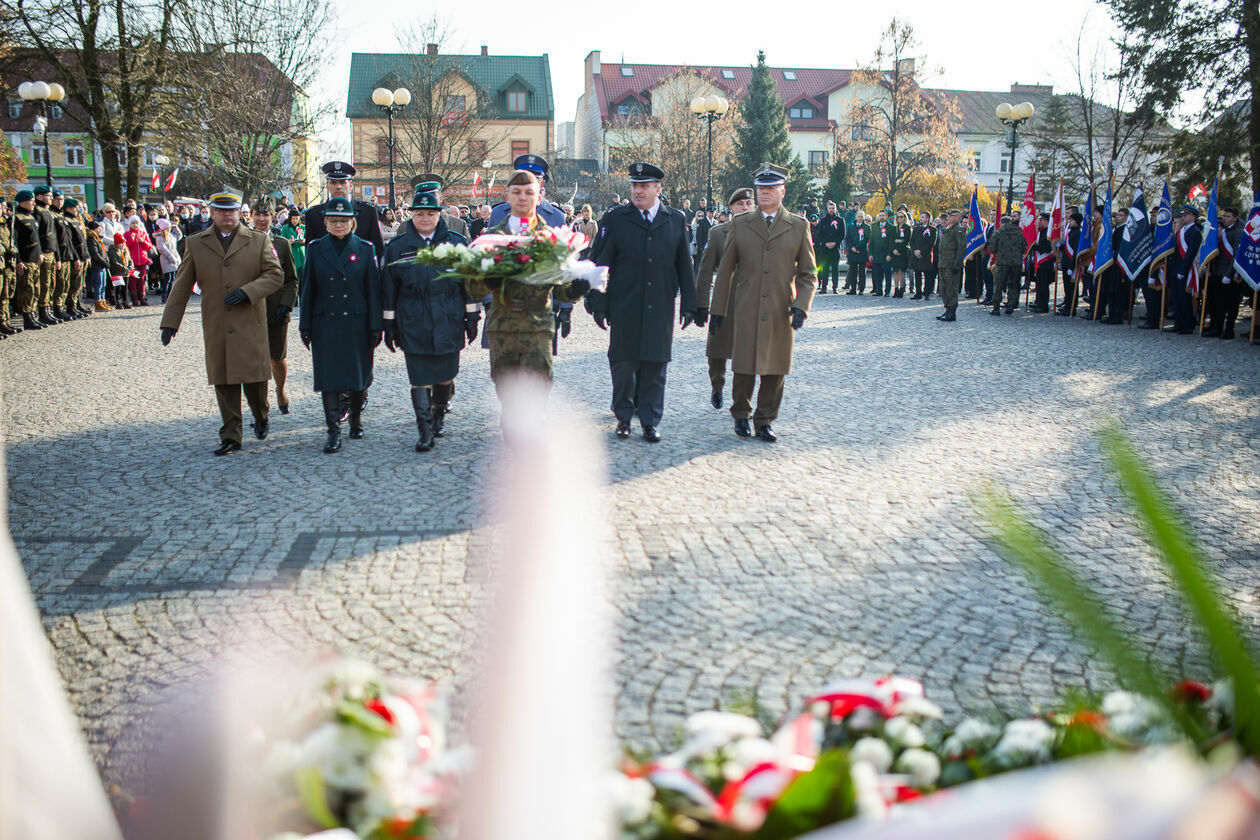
476	151
122	155
519	147
37	154
516	101
728	74
56	112
627	71
456	103
860	132
975	161
382	151
801	112
74	155
789	75
629	108
818	163
150	157
15	109
1005	162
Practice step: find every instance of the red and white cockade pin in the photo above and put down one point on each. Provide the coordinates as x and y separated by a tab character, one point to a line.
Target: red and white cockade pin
353	257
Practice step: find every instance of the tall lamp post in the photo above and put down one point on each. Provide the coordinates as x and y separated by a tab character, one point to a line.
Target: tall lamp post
710	109
391	102
1013	116
43	93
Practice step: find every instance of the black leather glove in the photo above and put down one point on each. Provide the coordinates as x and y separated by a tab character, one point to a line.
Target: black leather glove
235	297
601	319
305	335
167	334
377	336
564	320
702	316
391	335
282	312
687	318
578	289
798	318
715	324
471	320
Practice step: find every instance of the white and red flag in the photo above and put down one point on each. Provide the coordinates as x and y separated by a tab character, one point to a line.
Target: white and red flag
1028	214
157	179
170	182
1055	231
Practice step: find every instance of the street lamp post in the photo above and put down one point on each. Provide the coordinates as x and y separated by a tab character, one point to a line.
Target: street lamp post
391	102
1013	116
43	93
710	109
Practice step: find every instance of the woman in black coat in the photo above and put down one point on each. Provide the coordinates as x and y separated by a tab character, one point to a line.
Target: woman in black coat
429	319
340	316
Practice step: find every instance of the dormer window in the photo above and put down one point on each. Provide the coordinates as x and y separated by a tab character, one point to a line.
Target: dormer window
516	102
801	112
789	75
627	71
728	74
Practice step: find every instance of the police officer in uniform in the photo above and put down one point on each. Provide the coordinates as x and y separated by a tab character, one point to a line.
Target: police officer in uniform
29	260
720	345
433	183
645	247
829	241
339	178
48	258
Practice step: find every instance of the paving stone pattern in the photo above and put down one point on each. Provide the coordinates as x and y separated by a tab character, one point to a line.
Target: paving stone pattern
742	570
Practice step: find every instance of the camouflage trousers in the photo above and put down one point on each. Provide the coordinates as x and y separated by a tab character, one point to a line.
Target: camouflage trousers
47	280
8	287
515	351
61	289
951	282
25	292
1006	277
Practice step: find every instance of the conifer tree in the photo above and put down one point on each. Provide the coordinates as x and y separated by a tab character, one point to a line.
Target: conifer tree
763	136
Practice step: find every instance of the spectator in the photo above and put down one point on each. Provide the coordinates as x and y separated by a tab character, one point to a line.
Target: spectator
139	246
389	224
110	223
120	270
167	240
98	266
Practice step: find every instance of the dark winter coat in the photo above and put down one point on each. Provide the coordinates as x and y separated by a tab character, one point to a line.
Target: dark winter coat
341	306
429	312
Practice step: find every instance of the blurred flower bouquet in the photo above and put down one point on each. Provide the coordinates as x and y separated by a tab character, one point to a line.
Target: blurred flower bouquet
548	257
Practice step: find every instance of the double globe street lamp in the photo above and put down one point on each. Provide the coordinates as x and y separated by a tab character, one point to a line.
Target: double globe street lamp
43	93
1013	116
391	102
710	109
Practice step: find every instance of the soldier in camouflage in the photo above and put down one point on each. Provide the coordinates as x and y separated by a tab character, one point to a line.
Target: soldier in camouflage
8	268
953	245
1007	245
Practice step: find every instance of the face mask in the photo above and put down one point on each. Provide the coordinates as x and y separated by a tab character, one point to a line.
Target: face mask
205	214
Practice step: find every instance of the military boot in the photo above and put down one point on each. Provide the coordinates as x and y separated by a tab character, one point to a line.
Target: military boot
421	402
441	400
332	416
46	318
356	415
29	321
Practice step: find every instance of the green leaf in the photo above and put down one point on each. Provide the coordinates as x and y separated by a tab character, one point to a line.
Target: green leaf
310	788
1184	560
815	799
353	713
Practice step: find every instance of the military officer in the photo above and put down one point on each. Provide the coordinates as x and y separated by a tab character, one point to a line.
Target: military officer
236	269
719	346
78	238
29	260
434	183
1224	293
339	178
281	302
1007	245
8	267
765	285
645	247
48	259
552	215
65	259
858	244
952	242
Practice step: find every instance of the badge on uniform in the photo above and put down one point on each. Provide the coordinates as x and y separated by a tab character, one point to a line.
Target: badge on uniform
274	253
353	257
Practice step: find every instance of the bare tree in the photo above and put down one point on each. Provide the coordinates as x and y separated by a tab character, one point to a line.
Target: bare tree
12	167
898	129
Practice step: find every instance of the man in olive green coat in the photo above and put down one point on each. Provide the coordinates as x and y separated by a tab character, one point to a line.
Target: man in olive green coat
236	269
953	245
720	345
1008	246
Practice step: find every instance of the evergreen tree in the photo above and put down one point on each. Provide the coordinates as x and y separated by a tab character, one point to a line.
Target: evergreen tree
839	188
763	136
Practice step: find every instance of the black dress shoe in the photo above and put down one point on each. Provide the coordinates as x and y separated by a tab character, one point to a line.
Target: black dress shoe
651	435
742	427
1227	334
1009	309
716	399
260	431
623	431
851	292
228	447
941	317
917	296
1147	325
284	409
997	310
767	434
949	316
1210	333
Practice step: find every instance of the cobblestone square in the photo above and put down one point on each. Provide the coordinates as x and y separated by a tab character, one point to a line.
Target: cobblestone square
741	569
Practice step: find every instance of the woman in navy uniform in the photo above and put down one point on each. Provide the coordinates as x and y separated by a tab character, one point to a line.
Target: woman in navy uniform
429	319
340	318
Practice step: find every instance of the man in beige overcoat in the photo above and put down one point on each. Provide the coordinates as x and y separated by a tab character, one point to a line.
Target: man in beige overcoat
769	259
236	269
720	345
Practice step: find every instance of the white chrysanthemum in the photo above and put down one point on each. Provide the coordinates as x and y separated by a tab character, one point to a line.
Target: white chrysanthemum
630	799
903	732
486	263
971	735
443	250
341	754
731	724
1025	742
353	676
870	801
1222	699
874	750
923	767
919	707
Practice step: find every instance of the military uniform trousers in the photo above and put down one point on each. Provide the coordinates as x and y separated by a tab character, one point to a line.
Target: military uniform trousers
62	289
638	390
769	398
229	397
77	279
516	351
717	374
47	279
8	290
1006	278
26	289
951	283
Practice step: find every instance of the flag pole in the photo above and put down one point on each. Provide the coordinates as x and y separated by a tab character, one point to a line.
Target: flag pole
1163	293
1251	337
1111	185
1076	260
1054	298
1207	266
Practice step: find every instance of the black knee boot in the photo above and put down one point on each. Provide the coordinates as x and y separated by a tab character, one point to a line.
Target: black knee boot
356	415
332	416
421	402
441	402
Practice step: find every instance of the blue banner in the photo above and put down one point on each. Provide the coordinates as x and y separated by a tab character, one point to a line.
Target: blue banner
1211	234
975	233
1247	260
1136	242
1165	245
1106	253
1087	226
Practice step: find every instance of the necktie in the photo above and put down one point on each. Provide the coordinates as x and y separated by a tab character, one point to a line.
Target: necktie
646	217
769	221
427	241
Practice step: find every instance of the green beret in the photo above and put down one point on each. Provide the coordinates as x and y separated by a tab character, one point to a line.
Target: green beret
71	203
42	190
24	195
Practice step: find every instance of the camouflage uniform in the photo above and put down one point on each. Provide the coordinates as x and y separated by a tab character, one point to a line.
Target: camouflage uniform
65	261
78	243
1008	244
26	242
953	245
48	260
8	270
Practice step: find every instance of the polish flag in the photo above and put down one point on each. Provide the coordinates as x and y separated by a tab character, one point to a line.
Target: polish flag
157	179
1028	214
1055	231
170	182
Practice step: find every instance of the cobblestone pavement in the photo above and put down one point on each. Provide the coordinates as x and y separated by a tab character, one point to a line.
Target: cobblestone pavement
743	569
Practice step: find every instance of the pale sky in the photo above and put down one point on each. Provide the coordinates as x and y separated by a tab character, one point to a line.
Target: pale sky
979	46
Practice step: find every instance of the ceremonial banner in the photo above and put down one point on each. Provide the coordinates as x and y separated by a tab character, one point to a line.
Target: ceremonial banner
1087	227
1211	234
1055	231
1247	260
157	179
1136	242
975	229
1028	214
170	182
1164	245
1106	253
